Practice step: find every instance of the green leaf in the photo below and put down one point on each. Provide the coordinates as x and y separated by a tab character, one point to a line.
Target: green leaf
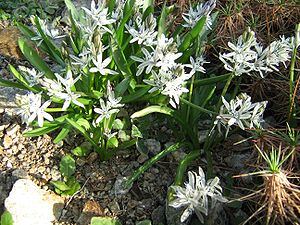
190	36
127	13
8	83
135	132
83	132
149	10
148	4
211	80
41	131
62	134
18	75
120	58
67	166
73	185
33	57
53	51
84	123
153	109
104	221
81	151
122	86
144	222
118	124
62	186
72	9
6	218
135	95
162	21
112	142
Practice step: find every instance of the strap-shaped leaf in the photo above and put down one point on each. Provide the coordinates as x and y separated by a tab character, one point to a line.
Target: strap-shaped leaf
127	13
53	50
32	56
135	95
8	83
122	86
62	134
153	109
162	21
41	130
72	9
120	58
191	35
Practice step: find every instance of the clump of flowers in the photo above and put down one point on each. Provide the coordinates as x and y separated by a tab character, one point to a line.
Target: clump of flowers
248	55
198	195
242	112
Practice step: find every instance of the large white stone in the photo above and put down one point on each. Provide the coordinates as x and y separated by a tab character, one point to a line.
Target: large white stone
30	205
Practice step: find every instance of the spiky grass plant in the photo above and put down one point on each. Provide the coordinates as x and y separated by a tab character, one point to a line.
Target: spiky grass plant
278	197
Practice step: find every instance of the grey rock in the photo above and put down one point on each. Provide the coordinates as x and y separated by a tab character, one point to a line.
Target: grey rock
30	205
142	158
7	99
153	146
19	174
173	216
237	161
158	215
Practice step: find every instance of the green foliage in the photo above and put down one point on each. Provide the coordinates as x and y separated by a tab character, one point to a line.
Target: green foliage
23	9
67	166
6	219
104	221
69	185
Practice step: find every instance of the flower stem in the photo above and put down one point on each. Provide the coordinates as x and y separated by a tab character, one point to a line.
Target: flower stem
209	140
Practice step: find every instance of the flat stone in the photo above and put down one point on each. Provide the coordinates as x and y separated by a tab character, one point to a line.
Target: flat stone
30	205
91	208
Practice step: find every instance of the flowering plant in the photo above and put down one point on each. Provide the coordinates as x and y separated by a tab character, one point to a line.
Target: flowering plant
198	195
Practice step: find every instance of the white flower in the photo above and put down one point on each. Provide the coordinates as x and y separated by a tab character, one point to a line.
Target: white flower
166	51
31	107
248	55
196	194
83	58
62	88
242	112
100	15
143	31
51	32
241	59
197	64
269	58
31	75
170	82
100	66
149	62
202	9
110	107
105	111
